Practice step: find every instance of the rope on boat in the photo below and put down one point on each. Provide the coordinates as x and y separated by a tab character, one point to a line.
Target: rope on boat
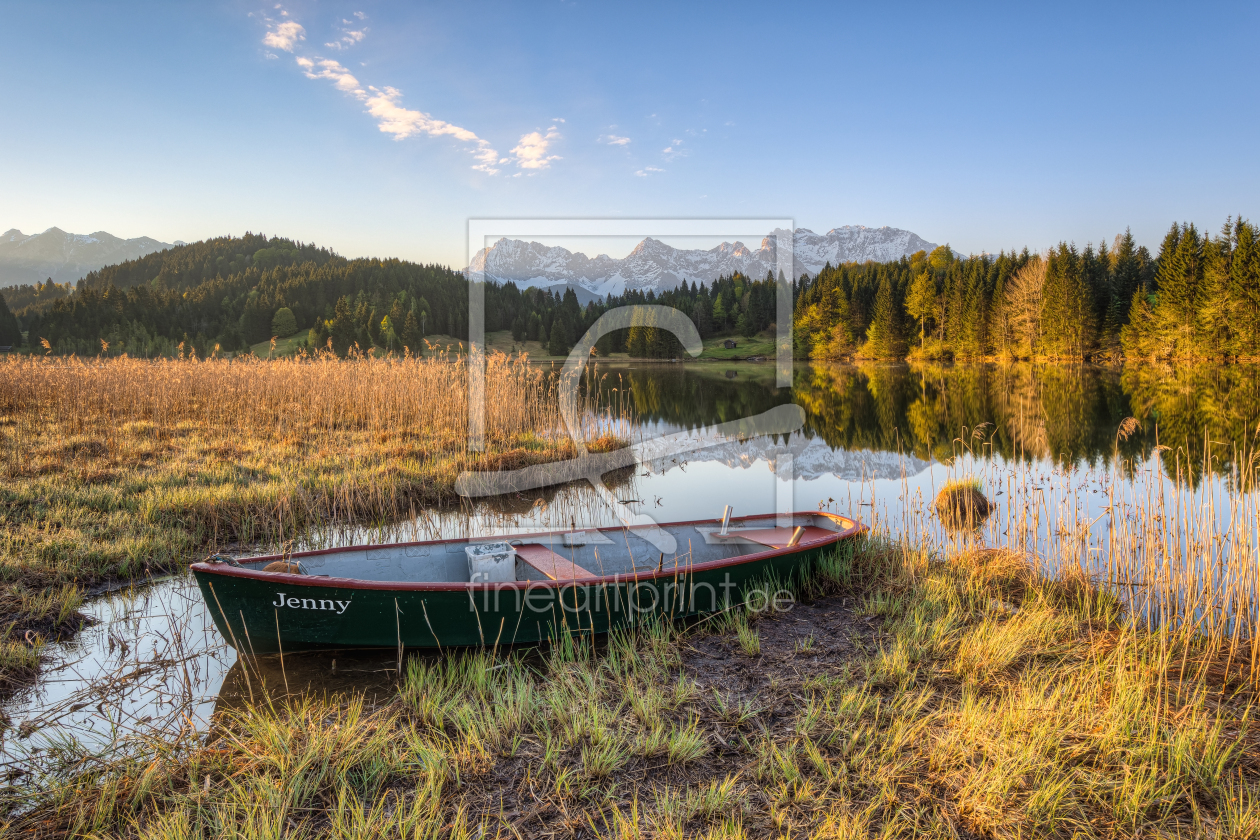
222	558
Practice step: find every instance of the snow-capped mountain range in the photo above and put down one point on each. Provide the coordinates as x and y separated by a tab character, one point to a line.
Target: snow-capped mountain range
655	266
65	256
812	458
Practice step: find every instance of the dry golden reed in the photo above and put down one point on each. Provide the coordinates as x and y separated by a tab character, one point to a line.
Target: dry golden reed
119	465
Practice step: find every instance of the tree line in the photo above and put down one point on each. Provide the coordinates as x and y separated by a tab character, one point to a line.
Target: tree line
1198	298
226	294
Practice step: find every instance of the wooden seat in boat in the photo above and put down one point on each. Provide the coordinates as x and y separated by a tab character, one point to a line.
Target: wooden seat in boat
552	565
778	537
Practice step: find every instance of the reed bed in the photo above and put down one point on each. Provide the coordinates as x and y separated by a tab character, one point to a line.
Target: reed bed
1174	537
119	464
117	468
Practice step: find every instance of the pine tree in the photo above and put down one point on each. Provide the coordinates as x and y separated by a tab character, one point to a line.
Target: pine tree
1178	283
883	337
700	317
1137	337
1126	278
411	338
719	313
561	341
1096	274
972	335
33	324
229	341
837	341
256	319
374	334
1244	290
342	328
398	311
10	329
569	303
1068	305
1214	331
317	337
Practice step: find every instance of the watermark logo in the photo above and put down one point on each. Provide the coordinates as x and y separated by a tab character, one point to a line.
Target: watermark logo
629	595
482	233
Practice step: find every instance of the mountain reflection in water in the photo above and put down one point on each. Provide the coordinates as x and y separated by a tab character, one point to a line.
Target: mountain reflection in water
1065	415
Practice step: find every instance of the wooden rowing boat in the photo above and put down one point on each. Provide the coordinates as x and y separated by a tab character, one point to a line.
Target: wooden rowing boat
420	594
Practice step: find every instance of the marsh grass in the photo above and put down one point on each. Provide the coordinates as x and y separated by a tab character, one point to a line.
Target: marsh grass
19	657
28	619
749	640
119	468
114	466
994	701
961	503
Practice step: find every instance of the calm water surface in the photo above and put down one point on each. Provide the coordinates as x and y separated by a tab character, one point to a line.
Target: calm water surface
877	442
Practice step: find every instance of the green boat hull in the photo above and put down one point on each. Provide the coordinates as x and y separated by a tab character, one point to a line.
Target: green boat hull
259	612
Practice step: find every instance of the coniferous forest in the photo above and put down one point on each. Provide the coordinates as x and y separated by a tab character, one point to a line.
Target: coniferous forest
1199	297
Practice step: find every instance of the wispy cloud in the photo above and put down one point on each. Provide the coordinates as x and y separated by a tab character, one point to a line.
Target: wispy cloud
284	34
348	40
333	72
384	103
531	151
614	140
674	150
349	37
643	173
393	118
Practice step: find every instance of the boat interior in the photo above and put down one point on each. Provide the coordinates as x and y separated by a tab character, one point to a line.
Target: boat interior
567	555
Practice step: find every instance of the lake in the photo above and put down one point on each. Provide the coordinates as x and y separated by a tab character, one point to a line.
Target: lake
1147	504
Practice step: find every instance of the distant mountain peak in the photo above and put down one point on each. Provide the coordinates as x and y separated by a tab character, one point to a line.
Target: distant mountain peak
656	266
65	257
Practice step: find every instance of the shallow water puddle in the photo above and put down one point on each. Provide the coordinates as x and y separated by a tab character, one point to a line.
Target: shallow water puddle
152	660
155	662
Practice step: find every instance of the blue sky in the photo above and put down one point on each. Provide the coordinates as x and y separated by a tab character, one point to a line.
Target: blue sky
379	129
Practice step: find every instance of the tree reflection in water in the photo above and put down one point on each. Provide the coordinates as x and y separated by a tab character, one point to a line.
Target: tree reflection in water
1205	416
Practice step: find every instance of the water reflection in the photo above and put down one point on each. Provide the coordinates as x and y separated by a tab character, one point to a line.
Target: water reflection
1207	414
152	660
370	674
1065	415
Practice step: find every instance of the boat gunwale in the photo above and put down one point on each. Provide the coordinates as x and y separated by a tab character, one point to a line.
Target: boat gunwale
226	570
